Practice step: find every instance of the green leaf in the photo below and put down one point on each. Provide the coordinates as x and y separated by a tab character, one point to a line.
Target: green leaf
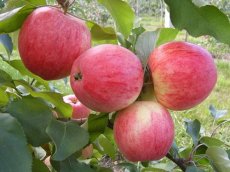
39	166
103	169
174	150
2	4
106	146
34	115
6	41
152	169
68	138
148	40
12	4
18	65
193	169
5	79
161	167
56	99
219	159
198	21
97	125
166	35
4	98
217	113
16	12
128	167
193	129
210	141
228	152
14	152
145	44
71	165
122	13
99	33
12	20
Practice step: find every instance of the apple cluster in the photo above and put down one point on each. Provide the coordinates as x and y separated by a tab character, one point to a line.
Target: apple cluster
109	78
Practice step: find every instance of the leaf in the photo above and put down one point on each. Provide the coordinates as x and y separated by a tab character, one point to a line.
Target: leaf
68	138
174	150
34	115
16	12
16	3
6	41
56	99
161	167
217	113
71	165
193	129
97	125
228	152
106	146
219	159
128	167
198	21
122	14
5	79
152	169
12	20
18	65
210	141
193	169
145	44
39	166
103	169
148	40
4	98
166	35
132	39
99	33
2	4
14	152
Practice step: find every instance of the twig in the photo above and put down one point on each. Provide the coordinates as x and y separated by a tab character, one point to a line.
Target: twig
177	161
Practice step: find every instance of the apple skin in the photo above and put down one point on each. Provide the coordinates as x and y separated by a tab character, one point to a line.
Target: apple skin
80	111
107	78
49	42
183	74
144	131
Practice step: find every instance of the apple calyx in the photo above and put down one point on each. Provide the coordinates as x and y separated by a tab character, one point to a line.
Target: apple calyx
78	76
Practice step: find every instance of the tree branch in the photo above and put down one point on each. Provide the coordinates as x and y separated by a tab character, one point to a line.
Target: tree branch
177	161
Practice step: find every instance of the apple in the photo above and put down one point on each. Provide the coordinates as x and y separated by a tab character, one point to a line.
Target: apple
144	131
49	42
183	74
87	152
80	111
107	78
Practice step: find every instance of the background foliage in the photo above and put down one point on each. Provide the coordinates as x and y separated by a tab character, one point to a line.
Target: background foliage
29	132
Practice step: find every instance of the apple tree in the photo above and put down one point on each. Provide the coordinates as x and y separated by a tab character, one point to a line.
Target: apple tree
119	116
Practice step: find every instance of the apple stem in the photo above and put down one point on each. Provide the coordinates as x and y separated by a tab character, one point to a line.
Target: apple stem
178	161
78	76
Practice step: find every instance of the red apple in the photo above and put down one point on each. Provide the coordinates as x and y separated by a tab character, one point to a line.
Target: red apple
50	41
144	131
107	78
80	111
183	74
